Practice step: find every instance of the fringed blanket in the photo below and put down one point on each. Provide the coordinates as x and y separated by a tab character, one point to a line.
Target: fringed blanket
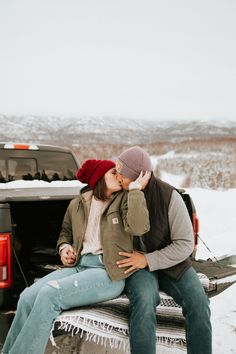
107	322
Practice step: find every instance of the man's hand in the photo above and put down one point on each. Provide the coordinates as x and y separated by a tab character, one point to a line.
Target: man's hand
68	255
134	261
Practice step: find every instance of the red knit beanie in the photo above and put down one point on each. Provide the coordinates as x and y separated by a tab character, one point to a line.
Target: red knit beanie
92	170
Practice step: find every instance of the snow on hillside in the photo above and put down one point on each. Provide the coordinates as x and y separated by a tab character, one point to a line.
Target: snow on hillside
216	213
212	167
103	129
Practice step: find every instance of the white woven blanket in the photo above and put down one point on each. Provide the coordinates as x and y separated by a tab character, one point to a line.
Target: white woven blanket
107	323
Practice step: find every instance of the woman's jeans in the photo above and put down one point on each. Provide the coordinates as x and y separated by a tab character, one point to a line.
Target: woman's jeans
85	284
142	289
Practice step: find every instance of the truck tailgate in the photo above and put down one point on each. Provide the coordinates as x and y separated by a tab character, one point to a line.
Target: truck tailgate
36	190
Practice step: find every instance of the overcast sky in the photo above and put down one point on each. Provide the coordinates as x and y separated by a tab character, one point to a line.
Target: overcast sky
153	59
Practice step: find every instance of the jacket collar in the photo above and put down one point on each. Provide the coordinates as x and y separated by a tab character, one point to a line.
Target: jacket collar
86	194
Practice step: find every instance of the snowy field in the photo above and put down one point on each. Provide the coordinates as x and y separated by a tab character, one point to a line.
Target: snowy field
216	211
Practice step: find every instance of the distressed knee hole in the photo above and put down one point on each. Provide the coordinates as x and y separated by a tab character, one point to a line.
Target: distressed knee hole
54	284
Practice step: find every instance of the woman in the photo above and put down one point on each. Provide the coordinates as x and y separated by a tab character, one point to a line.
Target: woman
97	225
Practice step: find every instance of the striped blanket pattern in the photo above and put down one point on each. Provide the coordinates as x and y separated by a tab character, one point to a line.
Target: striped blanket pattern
107	322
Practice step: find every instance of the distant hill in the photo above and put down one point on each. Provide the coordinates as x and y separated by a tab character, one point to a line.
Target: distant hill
106	130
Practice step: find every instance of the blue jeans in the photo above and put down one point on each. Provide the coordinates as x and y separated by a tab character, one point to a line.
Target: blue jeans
87	283
142	289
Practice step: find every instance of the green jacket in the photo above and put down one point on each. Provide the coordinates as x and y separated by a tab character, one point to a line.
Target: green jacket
125	215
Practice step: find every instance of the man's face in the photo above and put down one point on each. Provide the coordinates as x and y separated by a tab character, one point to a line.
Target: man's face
124	181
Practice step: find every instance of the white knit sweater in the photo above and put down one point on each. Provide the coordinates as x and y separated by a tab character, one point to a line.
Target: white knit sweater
91	243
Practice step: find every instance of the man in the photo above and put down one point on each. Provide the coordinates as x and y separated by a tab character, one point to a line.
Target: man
162	257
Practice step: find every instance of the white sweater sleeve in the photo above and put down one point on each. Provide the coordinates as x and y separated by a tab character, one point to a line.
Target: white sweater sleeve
181	233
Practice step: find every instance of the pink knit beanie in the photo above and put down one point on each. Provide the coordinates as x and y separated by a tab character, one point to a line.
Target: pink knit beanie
132	161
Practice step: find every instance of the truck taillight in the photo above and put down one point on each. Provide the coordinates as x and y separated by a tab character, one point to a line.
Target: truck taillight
195	231
195	225
5	260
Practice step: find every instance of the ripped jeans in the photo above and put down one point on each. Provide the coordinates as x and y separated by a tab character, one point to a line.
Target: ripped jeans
86	283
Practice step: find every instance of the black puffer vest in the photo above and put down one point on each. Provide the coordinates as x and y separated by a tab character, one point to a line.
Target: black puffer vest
158	195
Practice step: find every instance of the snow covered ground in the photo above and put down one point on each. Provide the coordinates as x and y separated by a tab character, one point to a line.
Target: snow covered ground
216	211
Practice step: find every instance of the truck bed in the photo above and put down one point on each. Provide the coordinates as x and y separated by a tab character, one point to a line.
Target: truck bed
39	190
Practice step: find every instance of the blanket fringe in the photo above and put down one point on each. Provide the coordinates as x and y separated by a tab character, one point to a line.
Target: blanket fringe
103	337
51	336
104	340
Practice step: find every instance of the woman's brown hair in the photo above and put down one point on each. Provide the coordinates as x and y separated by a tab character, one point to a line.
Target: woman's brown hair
100	189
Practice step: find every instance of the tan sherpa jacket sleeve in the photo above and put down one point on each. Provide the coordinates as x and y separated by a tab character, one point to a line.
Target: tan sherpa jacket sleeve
135	213
66	235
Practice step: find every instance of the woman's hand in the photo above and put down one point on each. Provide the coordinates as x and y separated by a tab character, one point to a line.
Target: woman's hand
68	255
143	178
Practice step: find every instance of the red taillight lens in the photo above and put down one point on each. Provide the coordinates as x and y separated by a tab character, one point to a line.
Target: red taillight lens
195	228
5	261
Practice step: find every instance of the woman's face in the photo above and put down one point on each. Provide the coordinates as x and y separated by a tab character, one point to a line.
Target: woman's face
111	181
124	181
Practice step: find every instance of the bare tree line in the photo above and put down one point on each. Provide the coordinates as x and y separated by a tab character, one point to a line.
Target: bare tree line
205	163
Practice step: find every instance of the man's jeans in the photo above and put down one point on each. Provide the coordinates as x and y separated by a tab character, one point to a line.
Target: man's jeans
142	289
42	302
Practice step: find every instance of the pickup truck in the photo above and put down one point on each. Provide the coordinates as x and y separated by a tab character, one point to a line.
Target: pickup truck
37	183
